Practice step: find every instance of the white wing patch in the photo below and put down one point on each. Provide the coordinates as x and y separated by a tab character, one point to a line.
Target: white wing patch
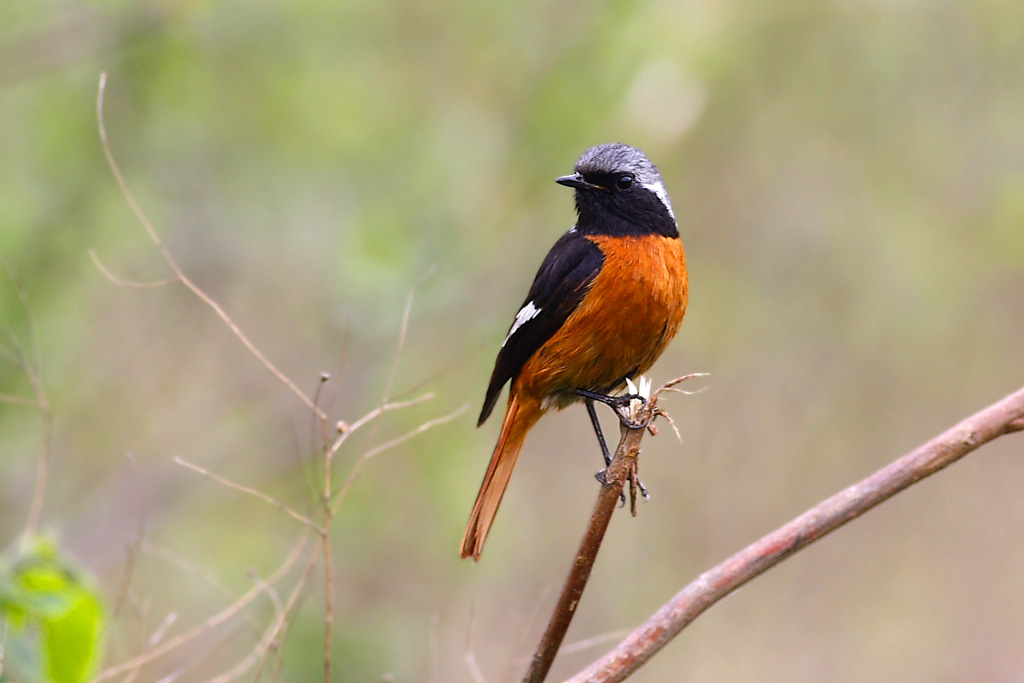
659	189
525	314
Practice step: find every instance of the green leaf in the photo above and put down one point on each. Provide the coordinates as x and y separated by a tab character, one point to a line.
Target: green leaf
56	619
71	643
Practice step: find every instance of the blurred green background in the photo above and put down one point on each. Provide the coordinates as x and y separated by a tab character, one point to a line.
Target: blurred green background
849	179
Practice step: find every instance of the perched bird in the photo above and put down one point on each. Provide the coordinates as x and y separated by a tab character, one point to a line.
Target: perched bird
607	299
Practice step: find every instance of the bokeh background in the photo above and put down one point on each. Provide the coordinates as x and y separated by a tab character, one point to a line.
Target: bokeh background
849	179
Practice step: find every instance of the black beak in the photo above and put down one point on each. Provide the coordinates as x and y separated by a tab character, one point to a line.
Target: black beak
577	181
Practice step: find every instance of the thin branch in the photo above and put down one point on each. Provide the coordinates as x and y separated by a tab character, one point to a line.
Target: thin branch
429	424
528	627
271	637
348	430
342	359
252	492
31	365
385	403
176	269
405	437
131	558
30	318
328	591
587	643
188	567
42	475
184	565
210	623
1002	417
403	332
20	400
121	282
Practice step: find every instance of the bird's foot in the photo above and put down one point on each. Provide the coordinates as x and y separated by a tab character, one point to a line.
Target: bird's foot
635	486
619	404
603	480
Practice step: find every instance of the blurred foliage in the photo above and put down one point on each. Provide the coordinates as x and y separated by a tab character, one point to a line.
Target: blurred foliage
849	178
53	620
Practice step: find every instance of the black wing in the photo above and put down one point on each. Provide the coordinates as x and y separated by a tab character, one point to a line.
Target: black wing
562	281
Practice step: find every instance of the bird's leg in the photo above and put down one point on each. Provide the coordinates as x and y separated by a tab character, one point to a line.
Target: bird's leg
604	446
597	430
614	402
619	404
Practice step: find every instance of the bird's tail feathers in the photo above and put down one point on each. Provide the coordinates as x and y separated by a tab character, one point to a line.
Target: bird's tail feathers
518	420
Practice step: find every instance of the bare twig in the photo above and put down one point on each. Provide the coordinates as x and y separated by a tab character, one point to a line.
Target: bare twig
429	424
331	498
623	469
1002	417
271	638
528	627
188	567
121	282
210	623
328	578
252	492
131	558
615	476
385	403
31	365
348	430
588	643
14	399
176	269
390	444
329	507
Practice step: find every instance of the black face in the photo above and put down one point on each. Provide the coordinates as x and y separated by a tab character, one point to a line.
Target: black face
620	192
615	203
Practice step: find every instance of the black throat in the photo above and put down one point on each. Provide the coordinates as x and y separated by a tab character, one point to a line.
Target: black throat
635	214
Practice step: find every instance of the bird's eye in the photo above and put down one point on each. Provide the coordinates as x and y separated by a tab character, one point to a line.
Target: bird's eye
624	181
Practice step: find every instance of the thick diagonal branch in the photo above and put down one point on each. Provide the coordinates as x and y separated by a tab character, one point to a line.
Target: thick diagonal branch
1000	418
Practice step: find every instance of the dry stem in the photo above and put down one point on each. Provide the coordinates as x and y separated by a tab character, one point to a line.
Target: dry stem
31	365
211	623
622	469
176	269
1002	417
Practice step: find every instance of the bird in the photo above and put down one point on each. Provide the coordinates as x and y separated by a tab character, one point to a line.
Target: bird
607	299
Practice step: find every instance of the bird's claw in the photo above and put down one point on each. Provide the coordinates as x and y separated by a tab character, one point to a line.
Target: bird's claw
619	404
600	476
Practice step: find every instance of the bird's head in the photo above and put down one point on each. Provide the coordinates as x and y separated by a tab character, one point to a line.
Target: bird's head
619	191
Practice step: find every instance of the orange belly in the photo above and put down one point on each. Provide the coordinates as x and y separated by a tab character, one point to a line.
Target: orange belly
633	309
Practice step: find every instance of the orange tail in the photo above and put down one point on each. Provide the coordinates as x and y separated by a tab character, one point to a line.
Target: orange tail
519	417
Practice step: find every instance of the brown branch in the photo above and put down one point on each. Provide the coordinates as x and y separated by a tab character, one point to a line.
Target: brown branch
179	274
1002	417
121	282
622	468
262	650
252	492
212	622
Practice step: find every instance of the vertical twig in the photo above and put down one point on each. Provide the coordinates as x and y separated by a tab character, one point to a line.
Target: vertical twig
623	465
328	581
32	366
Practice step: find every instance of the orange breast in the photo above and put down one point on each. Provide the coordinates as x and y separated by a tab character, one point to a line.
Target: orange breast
633	309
